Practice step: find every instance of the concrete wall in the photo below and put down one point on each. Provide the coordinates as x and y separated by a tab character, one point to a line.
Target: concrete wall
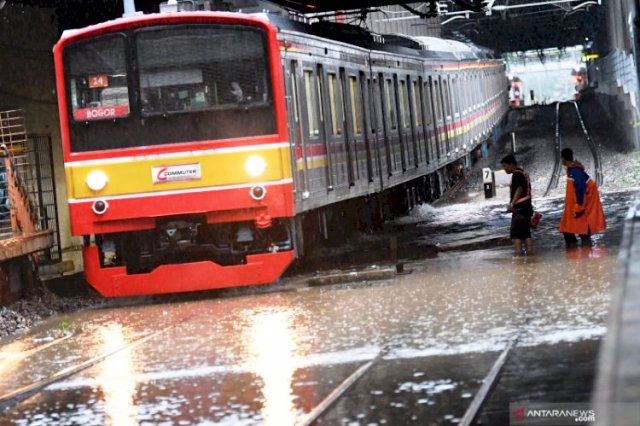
614	77
27	36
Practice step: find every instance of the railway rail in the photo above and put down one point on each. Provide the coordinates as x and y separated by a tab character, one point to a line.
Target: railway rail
18	395
592	146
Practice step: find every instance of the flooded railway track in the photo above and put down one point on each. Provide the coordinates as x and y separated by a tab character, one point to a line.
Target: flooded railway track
18	395
591	145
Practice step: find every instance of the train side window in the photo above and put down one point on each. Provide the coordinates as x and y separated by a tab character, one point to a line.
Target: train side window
470	90
336	124
389	100
445	95
455	98
294	90
309	88
417	104
356	105
426	90
320	83
461	95
476	91
465	93
437	100
404	104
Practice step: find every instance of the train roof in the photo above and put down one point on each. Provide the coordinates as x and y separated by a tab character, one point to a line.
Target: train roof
425	47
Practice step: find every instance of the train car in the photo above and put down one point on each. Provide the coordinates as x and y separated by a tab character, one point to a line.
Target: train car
516	94
206	150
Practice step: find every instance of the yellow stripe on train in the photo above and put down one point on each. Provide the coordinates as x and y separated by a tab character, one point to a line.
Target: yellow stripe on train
134	176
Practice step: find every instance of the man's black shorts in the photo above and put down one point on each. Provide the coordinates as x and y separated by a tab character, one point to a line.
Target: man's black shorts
520	226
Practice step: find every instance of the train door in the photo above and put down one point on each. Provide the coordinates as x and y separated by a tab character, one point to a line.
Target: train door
336	133
468	112
416	122
369	128
398	106
404	114
464	104
390	119
446	118
389	109
438	118
475	111
483	101
311	130
378	127
461	110
455	113
325	126
295	133
427	122
349	134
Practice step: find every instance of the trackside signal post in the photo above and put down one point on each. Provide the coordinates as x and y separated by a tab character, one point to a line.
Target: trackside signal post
489	182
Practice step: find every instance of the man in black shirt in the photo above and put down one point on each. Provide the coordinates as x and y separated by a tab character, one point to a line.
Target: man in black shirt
519	204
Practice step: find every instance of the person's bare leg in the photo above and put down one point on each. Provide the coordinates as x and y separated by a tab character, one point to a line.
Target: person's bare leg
517	247
529	244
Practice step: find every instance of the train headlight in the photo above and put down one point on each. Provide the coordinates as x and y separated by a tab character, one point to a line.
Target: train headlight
97	180
255	165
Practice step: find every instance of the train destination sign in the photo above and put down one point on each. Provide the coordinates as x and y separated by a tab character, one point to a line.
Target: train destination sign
101	112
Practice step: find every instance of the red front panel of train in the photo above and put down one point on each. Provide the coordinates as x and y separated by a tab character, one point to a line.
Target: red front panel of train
175	123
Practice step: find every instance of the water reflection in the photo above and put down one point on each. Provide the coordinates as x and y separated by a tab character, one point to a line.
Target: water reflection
117	378
10	358
273	350
585	253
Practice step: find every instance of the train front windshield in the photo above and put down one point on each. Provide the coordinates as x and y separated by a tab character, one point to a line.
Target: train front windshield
168	84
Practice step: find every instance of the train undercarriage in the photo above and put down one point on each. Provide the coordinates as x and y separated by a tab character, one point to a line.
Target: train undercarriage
189	239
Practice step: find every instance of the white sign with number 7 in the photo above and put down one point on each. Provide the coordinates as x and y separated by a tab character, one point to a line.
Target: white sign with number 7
487	175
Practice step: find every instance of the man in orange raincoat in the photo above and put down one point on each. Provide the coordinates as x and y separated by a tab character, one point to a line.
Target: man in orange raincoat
583	214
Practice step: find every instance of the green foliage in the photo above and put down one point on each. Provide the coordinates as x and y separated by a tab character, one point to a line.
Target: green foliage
63	326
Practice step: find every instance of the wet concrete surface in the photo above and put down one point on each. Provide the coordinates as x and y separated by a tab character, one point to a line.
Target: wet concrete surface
249	358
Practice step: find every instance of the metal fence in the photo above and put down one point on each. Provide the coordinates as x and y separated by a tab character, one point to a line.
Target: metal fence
31	157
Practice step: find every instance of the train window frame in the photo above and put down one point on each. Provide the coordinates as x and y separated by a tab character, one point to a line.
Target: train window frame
426	97
320	87
310	95
416	100
390	112
446	98
455	98
467	94
244	104
333	87
403	103
438	100
474	93
71	92
293	81
355	98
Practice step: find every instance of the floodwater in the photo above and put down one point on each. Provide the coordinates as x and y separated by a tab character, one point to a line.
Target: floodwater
258	358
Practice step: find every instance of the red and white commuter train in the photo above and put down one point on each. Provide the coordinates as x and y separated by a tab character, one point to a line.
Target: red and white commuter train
203	150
